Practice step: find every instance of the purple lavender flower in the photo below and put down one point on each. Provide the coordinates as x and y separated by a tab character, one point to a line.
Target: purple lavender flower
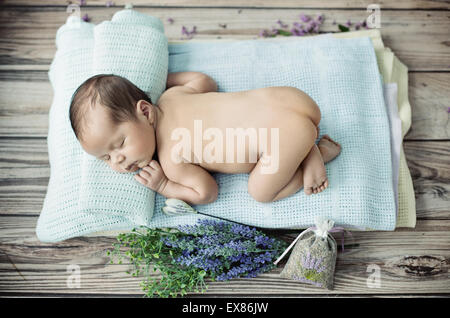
308	28
189	34
225	250
298	25
245	231
309	262
170	20
282	24
109	3
448	109
349	23
82	2
298	32
86	18
304	18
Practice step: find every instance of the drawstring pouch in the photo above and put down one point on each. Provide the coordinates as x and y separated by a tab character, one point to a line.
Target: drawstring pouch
313	258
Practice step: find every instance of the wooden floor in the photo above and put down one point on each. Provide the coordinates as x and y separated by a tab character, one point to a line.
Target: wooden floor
411	261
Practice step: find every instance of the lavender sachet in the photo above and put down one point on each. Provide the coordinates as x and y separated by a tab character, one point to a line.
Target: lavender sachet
313	258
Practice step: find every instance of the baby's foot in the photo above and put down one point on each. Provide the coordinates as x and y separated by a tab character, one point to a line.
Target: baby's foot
329	149
314	173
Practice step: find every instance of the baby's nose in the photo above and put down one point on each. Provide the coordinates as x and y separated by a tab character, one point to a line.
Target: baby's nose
118	159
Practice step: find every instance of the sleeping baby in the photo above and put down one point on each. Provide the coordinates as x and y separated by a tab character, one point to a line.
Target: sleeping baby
269	133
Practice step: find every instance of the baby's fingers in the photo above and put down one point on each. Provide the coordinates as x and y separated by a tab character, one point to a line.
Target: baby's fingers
154	164
145	173
140	179
148	169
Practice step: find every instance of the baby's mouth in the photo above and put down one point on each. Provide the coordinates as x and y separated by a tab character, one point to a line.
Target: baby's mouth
131	167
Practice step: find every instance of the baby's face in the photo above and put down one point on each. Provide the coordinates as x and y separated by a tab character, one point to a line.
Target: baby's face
125	147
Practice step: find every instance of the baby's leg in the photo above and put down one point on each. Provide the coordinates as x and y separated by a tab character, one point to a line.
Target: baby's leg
264	187
314	173
329	149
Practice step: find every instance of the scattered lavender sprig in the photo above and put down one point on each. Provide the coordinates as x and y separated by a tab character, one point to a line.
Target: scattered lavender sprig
86	18
189	34
307	26
348	24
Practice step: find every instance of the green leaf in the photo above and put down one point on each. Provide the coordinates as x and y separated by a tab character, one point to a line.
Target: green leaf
343	28
284	32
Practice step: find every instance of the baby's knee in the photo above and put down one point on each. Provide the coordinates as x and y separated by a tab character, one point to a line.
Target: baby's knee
308	130
208	196
261	197
258	194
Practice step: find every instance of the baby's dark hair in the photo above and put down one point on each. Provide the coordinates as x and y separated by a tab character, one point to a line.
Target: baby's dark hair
117	94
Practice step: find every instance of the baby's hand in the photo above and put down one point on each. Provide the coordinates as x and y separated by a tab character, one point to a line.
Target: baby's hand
152	176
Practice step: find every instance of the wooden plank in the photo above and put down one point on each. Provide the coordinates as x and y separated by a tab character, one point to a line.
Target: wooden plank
25	98
429	98
410	262
335	4
28	34
24	174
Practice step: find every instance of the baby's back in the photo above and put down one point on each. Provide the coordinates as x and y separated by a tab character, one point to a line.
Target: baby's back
225	129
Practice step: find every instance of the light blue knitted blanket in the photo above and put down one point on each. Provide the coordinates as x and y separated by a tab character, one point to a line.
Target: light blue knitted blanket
341	75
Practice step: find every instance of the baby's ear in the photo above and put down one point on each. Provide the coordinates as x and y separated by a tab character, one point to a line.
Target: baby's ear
143	107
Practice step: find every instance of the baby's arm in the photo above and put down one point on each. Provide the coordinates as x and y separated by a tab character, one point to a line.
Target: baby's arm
196	81
185	181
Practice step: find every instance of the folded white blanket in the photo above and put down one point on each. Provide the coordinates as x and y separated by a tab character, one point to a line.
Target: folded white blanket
395	124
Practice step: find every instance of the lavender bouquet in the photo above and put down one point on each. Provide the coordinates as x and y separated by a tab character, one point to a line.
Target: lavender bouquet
189	255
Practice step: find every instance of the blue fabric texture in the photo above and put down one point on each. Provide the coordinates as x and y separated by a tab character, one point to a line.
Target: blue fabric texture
341	75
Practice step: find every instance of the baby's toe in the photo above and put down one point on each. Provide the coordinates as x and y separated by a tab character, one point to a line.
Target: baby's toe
322	186
308	190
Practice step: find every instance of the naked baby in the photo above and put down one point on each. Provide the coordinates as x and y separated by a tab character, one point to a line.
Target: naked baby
195	130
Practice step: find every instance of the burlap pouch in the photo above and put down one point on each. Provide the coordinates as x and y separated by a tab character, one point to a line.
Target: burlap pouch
313	258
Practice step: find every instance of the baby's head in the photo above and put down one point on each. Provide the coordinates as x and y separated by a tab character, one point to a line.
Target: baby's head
115	121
